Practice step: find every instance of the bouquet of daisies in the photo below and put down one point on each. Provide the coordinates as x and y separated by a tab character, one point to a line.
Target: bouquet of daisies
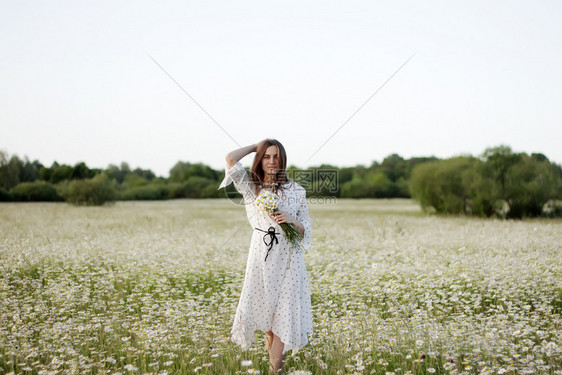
267	202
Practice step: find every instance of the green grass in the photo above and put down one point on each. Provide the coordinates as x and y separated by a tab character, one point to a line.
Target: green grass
152	287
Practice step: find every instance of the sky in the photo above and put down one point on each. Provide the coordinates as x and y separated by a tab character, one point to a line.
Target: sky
152	83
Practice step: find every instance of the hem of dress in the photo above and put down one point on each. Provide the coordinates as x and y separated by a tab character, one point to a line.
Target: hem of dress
247	342
295	348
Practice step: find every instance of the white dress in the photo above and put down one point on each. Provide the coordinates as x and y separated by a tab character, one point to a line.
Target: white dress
275	295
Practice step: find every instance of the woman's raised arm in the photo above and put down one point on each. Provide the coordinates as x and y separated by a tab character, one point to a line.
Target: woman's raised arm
235	156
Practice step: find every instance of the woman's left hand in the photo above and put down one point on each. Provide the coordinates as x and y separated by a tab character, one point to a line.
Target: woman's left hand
281	217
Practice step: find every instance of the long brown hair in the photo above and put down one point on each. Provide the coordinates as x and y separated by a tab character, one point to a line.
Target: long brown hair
258	174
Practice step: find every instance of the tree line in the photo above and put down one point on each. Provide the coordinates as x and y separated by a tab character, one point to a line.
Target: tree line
500	182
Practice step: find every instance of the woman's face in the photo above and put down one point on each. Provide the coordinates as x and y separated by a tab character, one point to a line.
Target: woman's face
270	161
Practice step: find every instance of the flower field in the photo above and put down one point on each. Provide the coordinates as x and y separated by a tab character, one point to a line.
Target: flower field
152	287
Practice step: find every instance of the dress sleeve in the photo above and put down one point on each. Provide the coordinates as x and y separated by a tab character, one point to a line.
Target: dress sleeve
239	176
304	218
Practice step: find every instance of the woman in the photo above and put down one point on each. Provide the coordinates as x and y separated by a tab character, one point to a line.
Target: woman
275	297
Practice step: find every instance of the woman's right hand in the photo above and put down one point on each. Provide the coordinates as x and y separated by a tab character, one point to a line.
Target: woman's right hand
260	144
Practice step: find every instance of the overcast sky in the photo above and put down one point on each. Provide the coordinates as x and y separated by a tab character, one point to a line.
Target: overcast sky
77	82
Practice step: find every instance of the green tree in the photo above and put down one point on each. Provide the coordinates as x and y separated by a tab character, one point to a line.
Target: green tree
400	188
344	175
196	185
147	174
442	184
151	191
485	198
37	191
95	191
9	170
499	161
379	185
394	167
45	173
356	188
29	171
182	171
81	171
134	180
114	172
529	185
60	173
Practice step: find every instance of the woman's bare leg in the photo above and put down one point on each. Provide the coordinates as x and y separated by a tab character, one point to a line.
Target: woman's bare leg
270	334
268	340
276	356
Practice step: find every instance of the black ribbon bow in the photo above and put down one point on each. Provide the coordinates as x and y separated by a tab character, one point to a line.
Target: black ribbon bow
271	233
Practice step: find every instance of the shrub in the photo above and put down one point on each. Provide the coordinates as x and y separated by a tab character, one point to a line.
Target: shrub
146	192
38	191
133	180
63	172
503	184
176	190
210	191
380	185
356	188
443	184
198	187
5	195
183	171
89	192
530	184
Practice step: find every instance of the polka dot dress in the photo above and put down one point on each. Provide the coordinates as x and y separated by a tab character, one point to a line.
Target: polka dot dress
275	295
